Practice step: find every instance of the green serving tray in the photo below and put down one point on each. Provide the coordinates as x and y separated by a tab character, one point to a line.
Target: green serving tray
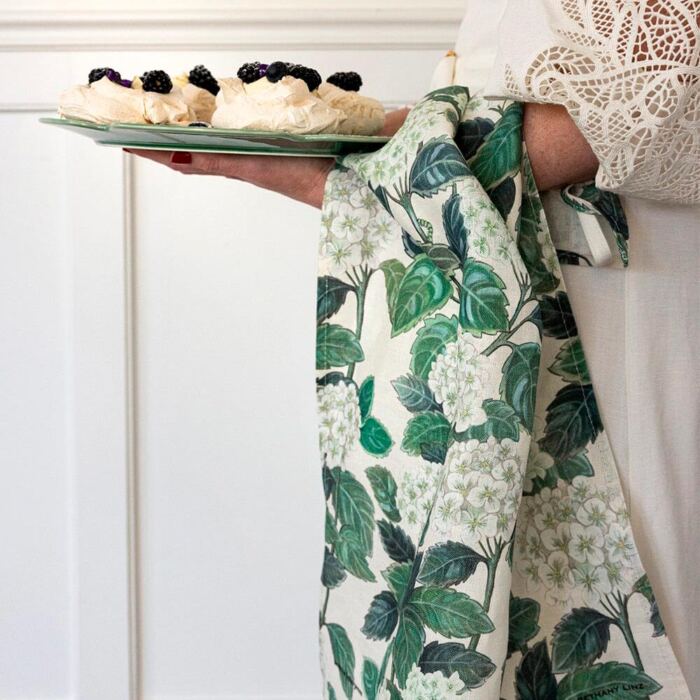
169	137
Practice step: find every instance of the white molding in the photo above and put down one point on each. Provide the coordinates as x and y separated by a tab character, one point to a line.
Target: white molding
105	631
333	25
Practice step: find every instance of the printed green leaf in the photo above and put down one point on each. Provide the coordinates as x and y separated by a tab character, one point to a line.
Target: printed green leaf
483	305
429	428
370	678
502	422
410	637
572	422
644	587
354	507
471	134
579	638
382	616
557	317
438	163
434	452
333	573
415	394
534	679
336	346
330	531
343	655
430	342
611	679
519	382
452	94
384	488
422	290
456	230
398	576
375	438
523	622
450	613
570	364
328	481
331	692
501	153
366	396
330	296
397	544
448	563
578	465
503	196
473	668
351	554
528	227
443	257
393	273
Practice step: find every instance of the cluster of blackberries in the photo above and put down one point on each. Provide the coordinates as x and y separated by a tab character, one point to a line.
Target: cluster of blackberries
156	81
346	81
202	78
250	72
113	75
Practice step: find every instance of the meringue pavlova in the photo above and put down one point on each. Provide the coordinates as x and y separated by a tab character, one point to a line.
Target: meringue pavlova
364	115
293	98
276	101
150	99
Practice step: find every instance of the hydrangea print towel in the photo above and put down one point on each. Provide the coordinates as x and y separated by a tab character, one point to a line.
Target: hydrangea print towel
477	542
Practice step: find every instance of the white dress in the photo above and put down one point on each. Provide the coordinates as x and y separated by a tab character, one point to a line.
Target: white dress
629	75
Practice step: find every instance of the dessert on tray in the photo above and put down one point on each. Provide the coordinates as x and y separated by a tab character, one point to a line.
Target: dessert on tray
278	97
363	115
275	97
148	99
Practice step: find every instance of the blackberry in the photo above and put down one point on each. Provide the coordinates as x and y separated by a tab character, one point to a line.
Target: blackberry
207	124
346	81
99	73
250	72
311	77
157	81
276	71
202	78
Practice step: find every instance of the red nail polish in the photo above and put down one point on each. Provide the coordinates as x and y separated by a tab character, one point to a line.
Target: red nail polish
181	157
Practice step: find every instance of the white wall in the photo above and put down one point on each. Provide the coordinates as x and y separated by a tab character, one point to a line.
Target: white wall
160	499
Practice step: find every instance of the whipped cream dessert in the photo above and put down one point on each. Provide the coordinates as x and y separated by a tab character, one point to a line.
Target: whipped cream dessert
284	105
364	115
108	98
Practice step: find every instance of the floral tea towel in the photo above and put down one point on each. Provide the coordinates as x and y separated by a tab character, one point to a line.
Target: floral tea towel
477	540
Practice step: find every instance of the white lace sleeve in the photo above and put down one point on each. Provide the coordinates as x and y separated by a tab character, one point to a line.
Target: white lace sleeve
628	72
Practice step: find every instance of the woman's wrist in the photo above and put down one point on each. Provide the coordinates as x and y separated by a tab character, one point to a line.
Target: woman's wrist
558	152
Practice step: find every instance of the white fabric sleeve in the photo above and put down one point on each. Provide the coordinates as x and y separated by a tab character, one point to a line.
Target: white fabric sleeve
627	71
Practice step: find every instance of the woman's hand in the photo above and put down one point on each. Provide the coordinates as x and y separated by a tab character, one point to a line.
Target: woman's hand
303	179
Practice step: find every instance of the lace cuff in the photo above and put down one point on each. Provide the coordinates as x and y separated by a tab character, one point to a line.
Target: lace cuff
629	75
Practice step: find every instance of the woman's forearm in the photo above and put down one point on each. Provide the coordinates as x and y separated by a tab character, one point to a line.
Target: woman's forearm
558	152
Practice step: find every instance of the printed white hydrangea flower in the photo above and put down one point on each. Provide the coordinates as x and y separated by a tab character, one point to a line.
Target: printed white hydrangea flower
355	227
415	494
593	582
432	686
586	524
555	574
484	481
458	377
338	420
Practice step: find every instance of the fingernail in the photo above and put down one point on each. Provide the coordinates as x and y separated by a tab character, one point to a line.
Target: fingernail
181	157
